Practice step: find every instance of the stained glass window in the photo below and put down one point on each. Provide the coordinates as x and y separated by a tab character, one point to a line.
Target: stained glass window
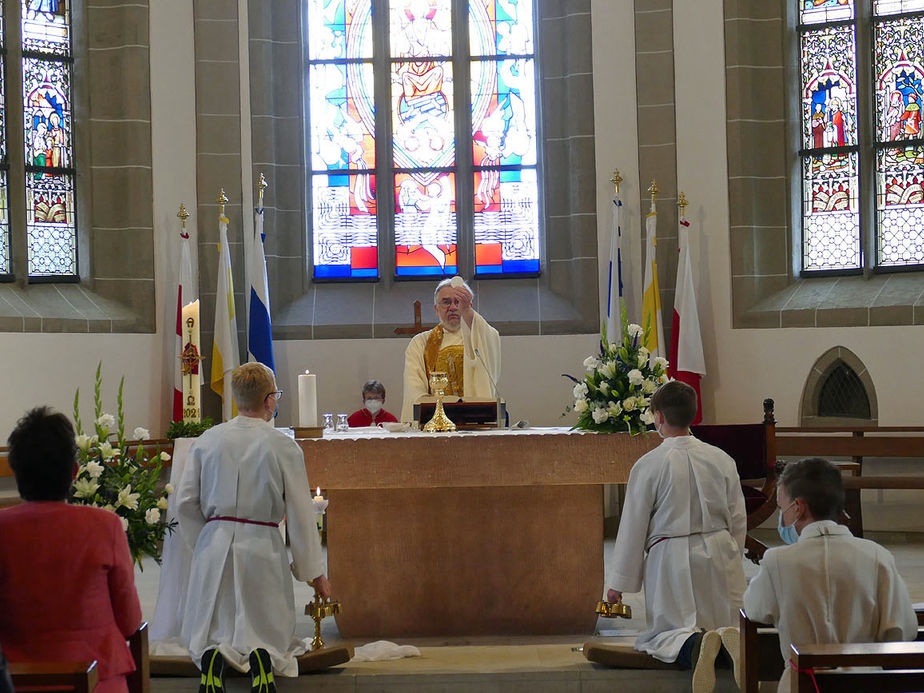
820	11
48	137
413	88
5	268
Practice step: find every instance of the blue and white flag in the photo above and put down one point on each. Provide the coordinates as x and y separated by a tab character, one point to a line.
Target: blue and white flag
260	332
614	297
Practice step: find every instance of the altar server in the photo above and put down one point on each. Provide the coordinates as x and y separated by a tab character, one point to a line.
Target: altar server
682	533
241	478
67	582
828	586
451	347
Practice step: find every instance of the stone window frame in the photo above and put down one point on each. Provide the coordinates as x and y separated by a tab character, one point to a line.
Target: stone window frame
562	300
762	125
115	220
818	375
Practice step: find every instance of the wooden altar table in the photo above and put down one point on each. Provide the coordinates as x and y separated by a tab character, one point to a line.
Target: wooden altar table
471	533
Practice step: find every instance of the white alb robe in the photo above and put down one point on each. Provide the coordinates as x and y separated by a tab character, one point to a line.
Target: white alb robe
240	593
830	587
686	493
476	382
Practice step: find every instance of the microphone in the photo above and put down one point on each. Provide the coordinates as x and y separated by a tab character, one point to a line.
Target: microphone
497	399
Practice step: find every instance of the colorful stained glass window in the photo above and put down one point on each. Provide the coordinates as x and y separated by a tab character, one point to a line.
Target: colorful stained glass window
48	138
831	219
829	96
899	70
821	11
4	190
900	206
348	88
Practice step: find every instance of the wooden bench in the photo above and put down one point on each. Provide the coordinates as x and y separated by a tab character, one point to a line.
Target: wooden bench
82	677
818	667
760	652
857	443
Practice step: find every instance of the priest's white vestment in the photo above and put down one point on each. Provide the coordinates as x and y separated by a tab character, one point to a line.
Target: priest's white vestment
240	593
830	587
684	506
475	374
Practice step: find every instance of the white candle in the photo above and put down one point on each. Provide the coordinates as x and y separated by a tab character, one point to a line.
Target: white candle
307	399
192	377
317	494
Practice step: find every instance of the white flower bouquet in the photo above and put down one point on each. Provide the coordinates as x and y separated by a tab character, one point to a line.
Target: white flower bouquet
613	395
111	478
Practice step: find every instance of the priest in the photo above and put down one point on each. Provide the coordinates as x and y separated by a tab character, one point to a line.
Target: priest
463	345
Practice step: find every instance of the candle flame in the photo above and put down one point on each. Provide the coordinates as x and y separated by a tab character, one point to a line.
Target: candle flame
317	491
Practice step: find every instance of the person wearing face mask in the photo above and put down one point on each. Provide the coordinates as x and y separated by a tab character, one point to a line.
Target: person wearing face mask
825	586
463	345
373	412
242	477
681	535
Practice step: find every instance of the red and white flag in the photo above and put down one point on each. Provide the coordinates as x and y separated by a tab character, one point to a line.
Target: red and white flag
186	292
687	362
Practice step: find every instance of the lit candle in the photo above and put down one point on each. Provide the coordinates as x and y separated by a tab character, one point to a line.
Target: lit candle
317	494
190	358
307	399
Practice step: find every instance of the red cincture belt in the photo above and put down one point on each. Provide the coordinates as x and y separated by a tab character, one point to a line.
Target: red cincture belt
227	518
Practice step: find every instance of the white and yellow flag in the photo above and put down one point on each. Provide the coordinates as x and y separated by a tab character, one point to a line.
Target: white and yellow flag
651	297
225	354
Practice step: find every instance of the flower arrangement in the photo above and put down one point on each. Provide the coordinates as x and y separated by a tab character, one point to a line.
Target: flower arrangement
111	478
613	396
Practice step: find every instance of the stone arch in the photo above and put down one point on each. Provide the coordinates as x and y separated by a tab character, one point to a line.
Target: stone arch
839	392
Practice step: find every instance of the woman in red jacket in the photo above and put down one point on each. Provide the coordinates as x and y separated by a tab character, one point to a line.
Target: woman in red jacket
67	582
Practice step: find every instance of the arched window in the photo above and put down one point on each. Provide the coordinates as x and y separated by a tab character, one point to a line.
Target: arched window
37	51
862	156
422	138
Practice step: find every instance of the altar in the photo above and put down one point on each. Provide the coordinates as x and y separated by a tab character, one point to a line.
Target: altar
469	533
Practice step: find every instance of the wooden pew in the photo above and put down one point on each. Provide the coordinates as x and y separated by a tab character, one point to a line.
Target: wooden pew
760	651
904	672
82	677
857	442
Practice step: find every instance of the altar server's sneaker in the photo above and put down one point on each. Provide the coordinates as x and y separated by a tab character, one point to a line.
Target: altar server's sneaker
704	669
212	679
731	641
261	672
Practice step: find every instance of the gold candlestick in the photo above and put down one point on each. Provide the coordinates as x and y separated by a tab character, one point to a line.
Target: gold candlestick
440	422
613	609
320	609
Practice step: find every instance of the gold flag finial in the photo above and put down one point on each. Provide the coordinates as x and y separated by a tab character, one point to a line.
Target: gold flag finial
183	215
261	185
616	180
222	201
653	190
682	203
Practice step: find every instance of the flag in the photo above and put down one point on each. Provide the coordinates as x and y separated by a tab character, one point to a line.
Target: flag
651	297
185	293
260	331
614	297
225	354
687	362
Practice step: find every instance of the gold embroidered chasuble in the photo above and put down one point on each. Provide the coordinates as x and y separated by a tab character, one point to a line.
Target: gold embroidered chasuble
450	360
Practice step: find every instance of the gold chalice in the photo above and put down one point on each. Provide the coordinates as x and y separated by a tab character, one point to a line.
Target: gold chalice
440	422
613	609
320	609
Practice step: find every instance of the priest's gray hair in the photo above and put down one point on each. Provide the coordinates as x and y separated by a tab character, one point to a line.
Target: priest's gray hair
448	282
250	385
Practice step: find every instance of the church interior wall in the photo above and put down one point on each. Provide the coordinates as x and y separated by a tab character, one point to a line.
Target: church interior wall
745	365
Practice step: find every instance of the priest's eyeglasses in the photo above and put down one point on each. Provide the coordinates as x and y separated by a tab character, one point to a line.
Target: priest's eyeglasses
278	394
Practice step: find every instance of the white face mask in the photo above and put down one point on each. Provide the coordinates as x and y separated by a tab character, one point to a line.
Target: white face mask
374	406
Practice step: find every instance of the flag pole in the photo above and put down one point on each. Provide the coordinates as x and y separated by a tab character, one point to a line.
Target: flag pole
261	184
653	191
682	203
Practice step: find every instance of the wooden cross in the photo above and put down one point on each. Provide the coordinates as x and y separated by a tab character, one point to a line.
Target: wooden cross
417	327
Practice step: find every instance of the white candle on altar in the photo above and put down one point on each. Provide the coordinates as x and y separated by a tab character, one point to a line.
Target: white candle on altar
307	399
317	494
192	378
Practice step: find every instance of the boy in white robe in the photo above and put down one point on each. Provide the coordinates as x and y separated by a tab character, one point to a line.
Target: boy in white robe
681	533
241	479
827	586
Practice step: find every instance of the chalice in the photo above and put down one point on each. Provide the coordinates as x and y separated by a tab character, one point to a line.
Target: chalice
440	422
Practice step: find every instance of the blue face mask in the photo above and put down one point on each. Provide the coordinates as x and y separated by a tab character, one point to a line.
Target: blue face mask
788	534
